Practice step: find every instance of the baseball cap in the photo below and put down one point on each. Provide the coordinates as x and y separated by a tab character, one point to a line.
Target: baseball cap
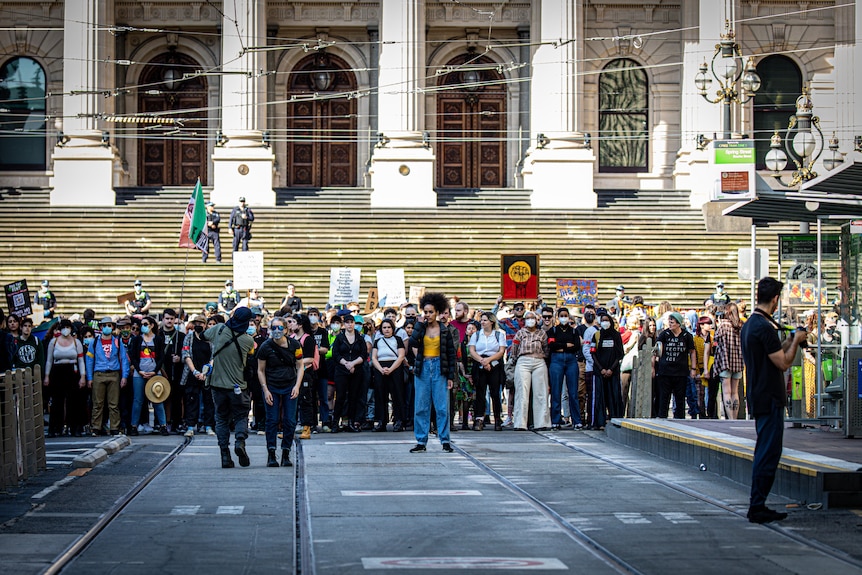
137	282
719	284
257	311
228	282
242	198
621	288
45	283
210	203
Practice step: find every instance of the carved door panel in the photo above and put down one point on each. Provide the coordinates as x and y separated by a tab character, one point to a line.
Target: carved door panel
471	152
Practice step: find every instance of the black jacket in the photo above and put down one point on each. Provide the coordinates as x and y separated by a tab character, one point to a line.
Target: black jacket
447	350
343	349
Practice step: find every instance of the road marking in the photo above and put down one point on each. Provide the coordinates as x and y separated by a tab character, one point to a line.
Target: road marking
54	487
381	442
453	563
412	492
185	510
230	510
677	518
632	518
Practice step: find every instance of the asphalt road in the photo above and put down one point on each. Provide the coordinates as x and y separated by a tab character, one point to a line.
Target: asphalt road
523	502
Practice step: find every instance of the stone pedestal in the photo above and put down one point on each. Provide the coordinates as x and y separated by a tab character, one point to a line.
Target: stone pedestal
561	175
243	166
402	173
693	172
84	159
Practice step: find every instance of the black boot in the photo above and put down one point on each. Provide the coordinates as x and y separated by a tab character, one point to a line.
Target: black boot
241	453
271	461
285	458
226	460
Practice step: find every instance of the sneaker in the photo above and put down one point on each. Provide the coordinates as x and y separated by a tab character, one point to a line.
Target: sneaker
765	515
447	447
145	428
418	449
190	432
326	429
579	426
209	430
261	432
507	421
163	430
556	427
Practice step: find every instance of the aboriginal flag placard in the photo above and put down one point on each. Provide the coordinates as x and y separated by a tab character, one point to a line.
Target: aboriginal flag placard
519	275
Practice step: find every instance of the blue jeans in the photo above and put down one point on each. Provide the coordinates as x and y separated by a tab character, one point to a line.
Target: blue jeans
691	396
138	385
564	365
767	453
323	399
283	408
431	386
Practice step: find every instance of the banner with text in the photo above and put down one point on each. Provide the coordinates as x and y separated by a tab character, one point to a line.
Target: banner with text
18	298
576	292
733	162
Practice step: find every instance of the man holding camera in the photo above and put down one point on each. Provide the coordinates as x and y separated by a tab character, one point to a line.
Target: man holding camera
766	359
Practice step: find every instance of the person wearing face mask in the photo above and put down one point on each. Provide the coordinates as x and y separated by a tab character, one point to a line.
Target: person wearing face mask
258	404
172	368
64	378
301	331
140	304
127	394
232	342
586	329
281	370
607	358
530	350
564	344
196	354
106	361
349	352
45	297
146	354
321	338
675	358
329	369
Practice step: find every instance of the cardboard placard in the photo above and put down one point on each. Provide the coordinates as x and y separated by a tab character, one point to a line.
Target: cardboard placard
416	293
573	292
247	270
124	297
370	301
18	298
343	285
390	287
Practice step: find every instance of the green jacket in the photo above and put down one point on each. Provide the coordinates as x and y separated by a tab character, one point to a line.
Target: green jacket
228	363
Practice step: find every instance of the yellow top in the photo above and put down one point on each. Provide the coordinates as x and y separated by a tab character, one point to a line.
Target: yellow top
431	346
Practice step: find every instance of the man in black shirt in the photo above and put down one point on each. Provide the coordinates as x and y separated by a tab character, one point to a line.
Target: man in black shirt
766	359
676	357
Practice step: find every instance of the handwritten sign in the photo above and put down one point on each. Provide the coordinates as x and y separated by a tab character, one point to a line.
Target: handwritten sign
390	287
18	298
576	292
343	285
371	301
247	270
416	293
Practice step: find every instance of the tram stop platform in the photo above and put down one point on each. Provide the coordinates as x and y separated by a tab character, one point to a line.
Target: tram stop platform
817	466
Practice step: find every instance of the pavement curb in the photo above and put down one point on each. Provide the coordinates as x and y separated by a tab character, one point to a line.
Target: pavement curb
100	453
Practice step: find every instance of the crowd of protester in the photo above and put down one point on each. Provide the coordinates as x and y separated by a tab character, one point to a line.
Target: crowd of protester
522	366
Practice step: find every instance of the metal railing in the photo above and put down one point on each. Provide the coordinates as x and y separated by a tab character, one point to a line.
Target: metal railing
22	432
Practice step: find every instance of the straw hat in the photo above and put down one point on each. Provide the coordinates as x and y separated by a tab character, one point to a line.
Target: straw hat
157	389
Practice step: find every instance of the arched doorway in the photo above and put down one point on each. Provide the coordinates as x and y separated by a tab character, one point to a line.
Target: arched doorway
22	114
775	102
321	123
166	158
471	125
623	117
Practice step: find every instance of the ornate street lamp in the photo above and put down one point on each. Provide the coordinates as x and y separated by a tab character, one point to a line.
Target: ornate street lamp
804	147
727	68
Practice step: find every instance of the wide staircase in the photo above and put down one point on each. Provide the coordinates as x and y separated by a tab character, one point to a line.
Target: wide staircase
650	241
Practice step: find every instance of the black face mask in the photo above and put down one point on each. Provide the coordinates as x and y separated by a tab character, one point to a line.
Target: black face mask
590	317
199	328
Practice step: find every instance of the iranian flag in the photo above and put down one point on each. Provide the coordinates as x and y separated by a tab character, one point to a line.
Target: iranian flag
193	233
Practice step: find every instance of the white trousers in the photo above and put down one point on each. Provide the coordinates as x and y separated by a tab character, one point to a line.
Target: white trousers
531	376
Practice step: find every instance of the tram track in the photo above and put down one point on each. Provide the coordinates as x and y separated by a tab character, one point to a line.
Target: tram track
828	550
77	547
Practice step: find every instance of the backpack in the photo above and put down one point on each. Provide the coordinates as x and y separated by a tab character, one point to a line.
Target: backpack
316	361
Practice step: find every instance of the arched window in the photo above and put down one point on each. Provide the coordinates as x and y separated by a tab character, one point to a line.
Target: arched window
775	102
623	117
22	115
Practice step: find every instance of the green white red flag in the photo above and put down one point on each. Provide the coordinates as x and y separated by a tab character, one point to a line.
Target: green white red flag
193	233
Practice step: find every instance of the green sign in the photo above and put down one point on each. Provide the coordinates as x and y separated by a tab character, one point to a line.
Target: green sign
803	247
734	152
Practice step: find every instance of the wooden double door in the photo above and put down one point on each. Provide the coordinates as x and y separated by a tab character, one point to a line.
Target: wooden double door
166	156
471	126
321	128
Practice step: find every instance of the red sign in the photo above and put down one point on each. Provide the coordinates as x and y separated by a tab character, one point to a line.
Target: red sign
734	182
519	276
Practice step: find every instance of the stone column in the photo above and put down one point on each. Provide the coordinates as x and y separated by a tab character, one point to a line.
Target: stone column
847	77
559	165
697	116
83	156
242	162
402	164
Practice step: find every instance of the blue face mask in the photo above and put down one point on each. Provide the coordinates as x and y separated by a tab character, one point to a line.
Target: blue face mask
251	330
145	329
107	330
88	341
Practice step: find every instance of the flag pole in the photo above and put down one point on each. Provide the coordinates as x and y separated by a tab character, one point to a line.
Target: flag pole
183	286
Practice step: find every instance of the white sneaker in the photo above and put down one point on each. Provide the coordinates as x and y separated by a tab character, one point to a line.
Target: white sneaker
210	430
145	428
507	421
190	432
